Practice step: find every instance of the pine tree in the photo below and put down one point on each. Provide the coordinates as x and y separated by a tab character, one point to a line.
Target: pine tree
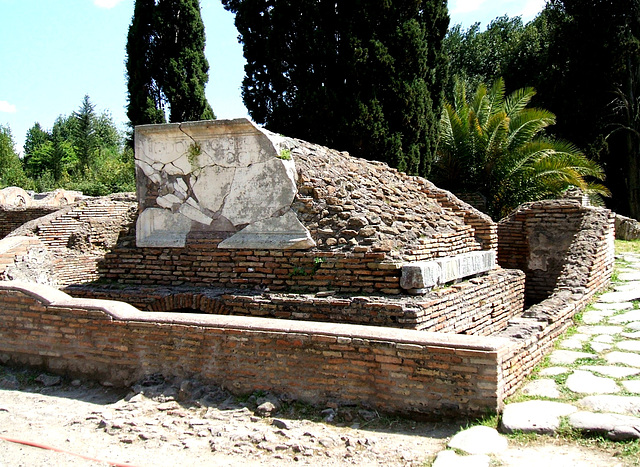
359	75
84	133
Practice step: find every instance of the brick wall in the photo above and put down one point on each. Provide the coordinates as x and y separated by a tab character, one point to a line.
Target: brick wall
11	219
588	257
480	306
78	236
394	371
545	239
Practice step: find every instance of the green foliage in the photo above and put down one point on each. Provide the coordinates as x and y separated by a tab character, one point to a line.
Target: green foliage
165	63
360	76
11	172
495	145
83	152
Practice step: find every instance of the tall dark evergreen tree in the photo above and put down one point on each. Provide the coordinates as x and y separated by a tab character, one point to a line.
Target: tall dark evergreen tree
84	133
166	65
145	98
360	75
179	59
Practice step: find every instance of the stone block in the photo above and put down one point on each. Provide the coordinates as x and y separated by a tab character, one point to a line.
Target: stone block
217	177
421	276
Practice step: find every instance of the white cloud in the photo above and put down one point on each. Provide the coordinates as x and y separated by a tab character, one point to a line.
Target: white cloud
531	8
8	108
466	6
108	4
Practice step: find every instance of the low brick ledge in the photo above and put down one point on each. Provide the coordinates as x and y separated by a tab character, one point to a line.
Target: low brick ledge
122	311
405	372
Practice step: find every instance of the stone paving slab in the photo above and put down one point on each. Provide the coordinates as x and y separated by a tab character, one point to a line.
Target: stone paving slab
574	342
593	330
600	346
632	346
613	426
625	405
626	317
611	371
567	357
479	440
585	382
596	315
617	297
632	386
629	276
630	286
534	416
631	335
625	358
613	306
542	388
554	371
635	326
604	338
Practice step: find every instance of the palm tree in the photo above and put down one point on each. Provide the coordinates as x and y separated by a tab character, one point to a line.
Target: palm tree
495	145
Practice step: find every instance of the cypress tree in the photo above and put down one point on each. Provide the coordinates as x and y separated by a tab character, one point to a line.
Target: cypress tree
179	57
364	76
145	103
166	64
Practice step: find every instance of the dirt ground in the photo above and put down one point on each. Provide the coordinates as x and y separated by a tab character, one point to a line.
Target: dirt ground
159	423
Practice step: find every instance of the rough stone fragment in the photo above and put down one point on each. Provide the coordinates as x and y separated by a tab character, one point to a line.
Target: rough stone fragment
479	440
168	200
48	380
585	382
626	405
161	228
567	357
534	416
451	459
279	233
610	425
260	191
542	388
625	358
212	186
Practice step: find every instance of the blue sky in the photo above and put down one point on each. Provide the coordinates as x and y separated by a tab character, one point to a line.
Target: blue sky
54	52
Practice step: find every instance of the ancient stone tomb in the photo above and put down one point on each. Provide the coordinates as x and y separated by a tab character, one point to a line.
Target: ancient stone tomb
229	185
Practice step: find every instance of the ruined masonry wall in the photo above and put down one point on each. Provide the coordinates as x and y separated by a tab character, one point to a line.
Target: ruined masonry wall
480	306
529	235
11	219
76	237
543	240
394	371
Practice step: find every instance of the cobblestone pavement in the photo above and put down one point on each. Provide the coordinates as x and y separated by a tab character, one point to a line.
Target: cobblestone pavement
589	384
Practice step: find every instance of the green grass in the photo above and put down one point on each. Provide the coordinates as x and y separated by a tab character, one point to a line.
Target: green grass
627	246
